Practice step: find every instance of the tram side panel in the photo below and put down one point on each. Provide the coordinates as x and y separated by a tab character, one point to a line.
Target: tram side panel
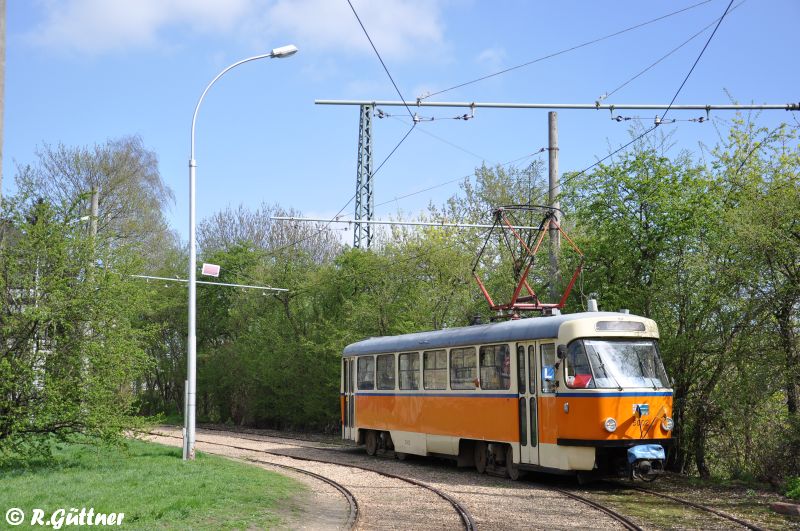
442	418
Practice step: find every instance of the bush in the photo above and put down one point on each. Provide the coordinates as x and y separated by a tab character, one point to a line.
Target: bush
793	488
70	350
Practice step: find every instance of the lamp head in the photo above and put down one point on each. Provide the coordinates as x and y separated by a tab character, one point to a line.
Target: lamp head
284	51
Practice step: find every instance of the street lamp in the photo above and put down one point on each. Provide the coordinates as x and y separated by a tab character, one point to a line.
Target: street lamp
191	369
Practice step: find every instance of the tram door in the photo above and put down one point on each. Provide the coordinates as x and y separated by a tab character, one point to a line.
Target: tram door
527	404
348	372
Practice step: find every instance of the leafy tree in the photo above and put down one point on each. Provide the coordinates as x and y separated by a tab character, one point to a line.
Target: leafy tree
131	193
758	170
257	229
70	350
646	224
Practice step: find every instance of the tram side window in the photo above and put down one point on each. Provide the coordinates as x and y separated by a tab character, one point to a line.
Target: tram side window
434	374
409	370
532	368
463	368
386	371
579	372
521	369
548	355
495	367
366	372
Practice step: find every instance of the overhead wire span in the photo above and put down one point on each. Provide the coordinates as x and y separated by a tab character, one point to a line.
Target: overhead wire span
380	113
560	52
379	57
327	225
659	120
226	284
621	148
372	175
440	139
684	43
677	92
657	123
457	179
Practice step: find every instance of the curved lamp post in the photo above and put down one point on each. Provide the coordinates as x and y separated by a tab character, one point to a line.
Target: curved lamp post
191	369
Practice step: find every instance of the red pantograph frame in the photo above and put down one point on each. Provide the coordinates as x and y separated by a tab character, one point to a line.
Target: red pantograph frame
531	301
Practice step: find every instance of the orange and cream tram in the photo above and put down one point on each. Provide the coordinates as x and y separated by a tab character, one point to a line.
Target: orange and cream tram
579	394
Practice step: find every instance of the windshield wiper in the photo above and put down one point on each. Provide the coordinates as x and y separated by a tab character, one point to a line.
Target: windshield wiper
603	367
641	367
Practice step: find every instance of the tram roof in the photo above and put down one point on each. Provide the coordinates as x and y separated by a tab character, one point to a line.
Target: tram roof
516	330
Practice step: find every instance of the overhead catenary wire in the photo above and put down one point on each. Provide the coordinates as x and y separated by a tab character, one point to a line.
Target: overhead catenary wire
656	124
385	68
352	198
428	133
668	107
560	52
684	43
659	120
242	286
700	55
457	179
442	224
372	175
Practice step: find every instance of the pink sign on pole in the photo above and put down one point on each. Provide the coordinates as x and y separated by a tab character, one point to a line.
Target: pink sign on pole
211	270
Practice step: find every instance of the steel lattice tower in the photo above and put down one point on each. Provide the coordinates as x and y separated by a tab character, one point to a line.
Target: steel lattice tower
362	233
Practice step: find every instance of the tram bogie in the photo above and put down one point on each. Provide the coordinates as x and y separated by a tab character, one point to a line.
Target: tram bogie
573	394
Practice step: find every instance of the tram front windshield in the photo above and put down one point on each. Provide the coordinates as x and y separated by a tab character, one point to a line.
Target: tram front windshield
620	363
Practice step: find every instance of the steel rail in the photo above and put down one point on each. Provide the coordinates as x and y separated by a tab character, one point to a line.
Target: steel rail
721	514
333	447
627	523
624	520
463	513
352	519
238	433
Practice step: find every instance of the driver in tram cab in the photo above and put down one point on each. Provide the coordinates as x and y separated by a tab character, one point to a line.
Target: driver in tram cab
579	372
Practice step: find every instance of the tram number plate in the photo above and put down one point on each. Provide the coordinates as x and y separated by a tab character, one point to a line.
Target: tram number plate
641	409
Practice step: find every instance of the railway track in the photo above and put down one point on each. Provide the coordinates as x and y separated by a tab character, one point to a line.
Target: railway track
239	434
463	514
624	521
698	506
352	518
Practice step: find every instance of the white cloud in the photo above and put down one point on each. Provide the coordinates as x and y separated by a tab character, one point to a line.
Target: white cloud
399	28
492	58
100	26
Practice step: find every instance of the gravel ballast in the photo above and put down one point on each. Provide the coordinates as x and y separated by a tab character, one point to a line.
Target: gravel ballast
494	503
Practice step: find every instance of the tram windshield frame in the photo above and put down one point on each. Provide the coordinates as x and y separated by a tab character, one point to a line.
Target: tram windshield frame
618	363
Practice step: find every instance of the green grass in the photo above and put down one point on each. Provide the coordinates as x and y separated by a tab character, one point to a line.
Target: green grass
152	486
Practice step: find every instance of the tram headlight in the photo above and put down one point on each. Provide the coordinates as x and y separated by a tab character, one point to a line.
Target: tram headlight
667	423
610	425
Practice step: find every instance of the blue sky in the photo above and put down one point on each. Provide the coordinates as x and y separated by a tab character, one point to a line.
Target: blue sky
82	71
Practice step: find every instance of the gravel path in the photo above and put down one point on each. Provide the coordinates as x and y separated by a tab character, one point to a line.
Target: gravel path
384	503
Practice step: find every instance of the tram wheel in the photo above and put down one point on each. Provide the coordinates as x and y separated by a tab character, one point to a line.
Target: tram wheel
481	457
512	469
401	456
371	442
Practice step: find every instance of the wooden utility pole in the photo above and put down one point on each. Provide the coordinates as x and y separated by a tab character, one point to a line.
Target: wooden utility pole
554	191
95	209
